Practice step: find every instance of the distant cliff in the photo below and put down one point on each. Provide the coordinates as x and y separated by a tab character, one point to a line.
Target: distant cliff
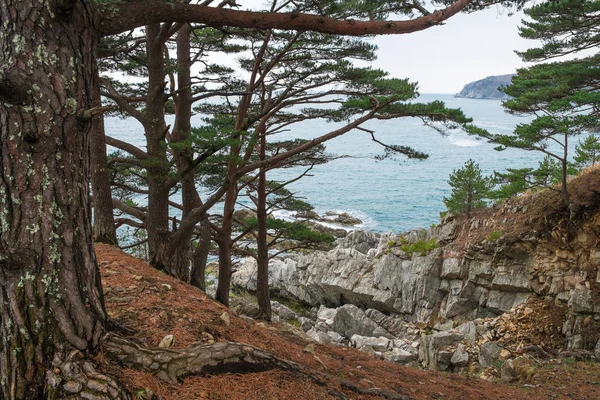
486	88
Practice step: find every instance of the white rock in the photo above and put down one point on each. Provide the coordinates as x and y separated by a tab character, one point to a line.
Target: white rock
399	356
376	343
167	341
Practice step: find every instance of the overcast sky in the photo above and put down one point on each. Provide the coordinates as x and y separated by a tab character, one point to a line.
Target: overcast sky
467	48
445	58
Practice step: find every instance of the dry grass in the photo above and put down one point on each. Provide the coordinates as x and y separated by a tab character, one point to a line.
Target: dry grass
533	215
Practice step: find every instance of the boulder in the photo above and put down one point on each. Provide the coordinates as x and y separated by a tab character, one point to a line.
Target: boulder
308	214
399	356
597	350
430	349
444	358
488	354
350	320
460	357
326	315
346	220
469	330
501	301
285	312
508	372
376	343
335	337
318	336
581	301
306	323
446	338
393	325
167	341
361	241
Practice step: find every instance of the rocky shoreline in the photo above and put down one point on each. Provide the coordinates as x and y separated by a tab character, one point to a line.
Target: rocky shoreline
415	299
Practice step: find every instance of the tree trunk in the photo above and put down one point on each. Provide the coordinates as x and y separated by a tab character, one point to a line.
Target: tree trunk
157	167
200	256
182	252
563	181
104	221
224	284
50	293
262	253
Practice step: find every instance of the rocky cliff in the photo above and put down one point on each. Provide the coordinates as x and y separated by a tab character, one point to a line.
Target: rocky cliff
486	88
509	278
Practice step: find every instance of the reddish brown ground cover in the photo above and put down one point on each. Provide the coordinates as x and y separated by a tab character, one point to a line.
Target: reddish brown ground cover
156	305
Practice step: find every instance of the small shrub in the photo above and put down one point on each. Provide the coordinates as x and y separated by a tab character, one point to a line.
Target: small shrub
494	235
422	247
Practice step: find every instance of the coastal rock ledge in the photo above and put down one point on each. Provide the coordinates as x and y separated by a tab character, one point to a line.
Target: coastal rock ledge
491	292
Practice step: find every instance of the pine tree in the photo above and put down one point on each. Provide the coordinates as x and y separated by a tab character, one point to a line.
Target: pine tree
470	189
587	153
518	180
561	96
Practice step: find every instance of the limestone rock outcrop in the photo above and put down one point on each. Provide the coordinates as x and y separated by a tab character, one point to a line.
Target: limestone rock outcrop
419	297
371	271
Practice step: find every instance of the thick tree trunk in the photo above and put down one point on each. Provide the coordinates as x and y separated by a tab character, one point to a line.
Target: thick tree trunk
182	251
50	293
157	167
104	221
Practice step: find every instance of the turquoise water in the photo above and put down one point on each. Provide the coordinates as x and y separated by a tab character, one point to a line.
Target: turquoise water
395	195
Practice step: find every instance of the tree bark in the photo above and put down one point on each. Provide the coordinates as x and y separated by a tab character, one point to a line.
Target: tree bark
262	250
181	250
104	221
200	256
157	166
225	243
50	287
564	168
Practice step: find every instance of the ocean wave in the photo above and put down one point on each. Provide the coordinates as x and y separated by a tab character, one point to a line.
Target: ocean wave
368	223
463	141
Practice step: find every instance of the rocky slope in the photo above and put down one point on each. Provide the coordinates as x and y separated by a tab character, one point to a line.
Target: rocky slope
154	306
514	280
486	88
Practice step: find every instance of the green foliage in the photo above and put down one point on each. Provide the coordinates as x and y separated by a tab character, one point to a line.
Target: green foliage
561	96
564	27
587	153
292	231
516	181
421	246
470	189
494	235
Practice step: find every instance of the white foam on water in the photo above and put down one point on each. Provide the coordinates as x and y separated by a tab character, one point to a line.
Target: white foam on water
463	140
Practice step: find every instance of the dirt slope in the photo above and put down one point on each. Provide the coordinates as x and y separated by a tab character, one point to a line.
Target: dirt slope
156	305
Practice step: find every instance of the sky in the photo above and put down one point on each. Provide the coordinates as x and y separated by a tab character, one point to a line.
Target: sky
467	48
443	59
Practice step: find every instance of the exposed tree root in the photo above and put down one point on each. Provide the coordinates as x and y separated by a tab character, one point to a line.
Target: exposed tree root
173	366
73	377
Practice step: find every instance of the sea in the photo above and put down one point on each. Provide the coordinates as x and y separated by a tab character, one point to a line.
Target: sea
391	194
